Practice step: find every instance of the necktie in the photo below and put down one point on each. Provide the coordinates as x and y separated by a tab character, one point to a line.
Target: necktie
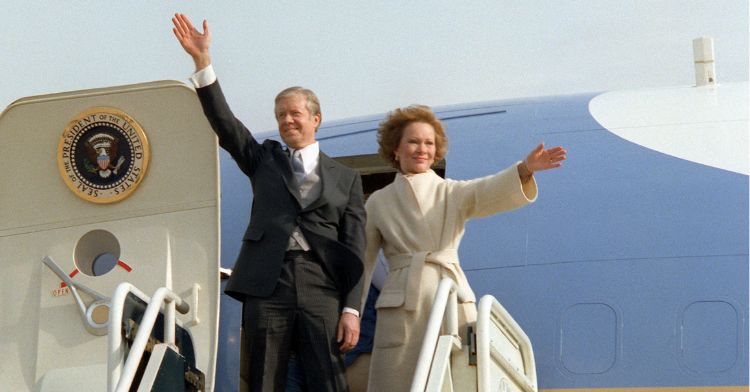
297	240
297	166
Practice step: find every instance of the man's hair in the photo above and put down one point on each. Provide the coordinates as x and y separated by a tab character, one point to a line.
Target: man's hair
392	130
313	104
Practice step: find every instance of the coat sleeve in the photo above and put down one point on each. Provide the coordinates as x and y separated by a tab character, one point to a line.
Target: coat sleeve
493	194
233	136
374	241
352	235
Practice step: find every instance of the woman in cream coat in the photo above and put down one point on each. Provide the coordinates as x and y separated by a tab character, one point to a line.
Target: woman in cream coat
418	221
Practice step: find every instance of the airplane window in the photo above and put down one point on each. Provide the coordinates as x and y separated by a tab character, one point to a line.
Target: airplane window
375	172
97	253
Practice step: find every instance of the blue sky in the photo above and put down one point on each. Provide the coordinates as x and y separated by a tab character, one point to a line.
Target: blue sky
369	57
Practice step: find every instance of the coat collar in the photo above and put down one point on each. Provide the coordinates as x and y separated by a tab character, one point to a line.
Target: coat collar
416	179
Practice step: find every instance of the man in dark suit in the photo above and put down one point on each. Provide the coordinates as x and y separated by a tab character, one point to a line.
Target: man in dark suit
299	268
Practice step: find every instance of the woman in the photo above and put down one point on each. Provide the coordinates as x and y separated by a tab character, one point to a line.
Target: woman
418	222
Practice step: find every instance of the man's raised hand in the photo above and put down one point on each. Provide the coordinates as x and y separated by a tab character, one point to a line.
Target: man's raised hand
195	43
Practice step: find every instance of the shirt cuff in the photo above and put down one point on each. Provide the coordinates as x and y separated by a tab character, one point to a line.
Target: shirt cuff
204	77
350	310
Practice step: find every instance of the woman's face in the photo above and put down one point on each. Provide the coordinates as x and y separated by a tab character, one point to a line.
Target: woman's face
416	151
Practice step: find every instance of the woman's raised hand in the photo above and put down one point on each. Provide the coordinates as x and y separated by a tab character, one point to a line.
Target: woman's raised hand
543	159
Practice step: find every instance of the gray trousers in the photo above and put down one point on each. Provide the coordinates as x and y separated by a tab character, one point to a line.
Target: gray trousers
301	315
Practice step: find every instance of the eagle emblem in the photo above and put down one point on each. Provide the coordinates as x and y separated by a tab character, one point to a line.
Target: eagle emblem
101	150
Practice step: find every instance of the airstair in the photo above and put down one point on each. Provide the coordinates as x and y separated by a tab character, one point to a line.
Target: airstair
148	348
498	356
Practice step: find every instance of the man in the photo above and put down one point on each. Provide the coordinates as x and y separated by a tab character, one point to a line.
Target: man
301	258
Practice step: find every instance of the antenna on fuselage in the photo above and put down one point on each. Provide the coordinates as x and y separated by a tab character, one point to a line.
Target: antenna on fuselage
703	57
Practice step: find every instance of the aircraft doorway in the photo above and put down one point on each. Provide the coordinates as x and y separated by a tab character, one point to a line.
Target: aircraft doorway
375	172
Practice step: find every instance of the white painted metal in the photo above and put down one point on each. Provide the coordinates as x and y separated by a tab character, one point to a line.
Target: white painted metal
691	123
445	293
151	373
86	311
505	358
174	211
441	378
161	296
115	346
195	320
503	350
703	57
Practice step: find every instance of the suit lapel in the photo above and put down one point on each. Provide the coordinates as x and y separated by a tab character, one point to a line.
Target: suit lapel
281	156
329	174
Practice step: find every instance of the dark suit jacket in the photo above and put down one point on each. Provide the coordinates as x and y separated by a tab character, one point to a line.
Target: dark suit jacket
333	225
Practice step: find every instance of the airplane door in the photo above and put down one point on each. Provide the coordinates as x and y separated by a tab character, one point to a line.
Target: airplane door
113	185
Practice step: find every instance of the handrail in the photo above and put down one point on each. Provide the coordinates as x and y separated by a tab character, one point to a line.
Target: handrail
526	377
89	323
120	377
445	301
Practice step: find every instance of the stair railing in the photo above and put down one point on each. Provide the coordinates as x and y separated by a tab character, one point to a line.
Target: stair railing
490	312
120	376
444	313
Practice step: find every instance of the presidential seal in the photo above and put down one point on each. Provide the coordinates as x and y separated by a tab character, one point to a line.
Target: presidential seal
103	155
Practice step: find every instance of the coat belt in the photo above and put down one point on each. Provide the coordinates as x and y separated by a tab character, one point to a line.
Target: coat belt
446	258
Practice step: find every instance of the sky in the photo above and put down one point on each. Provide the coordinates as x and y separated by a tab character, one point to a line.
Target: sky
370	57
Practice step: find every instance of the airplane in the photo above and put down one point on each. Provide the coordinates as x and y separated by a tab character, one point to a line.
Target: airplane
629	273
631	268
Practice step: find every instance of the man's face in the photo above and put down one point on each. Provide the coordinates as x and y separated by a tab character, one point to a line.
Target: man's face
296	125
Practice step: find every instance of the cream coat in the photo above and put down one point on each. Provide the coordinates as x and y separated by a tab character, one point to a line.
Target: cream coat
418	221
